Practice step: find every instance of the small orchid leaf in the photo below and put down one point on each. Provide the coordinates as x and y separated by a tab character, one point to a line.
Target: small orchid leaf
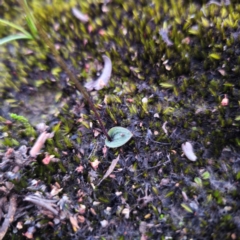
119	136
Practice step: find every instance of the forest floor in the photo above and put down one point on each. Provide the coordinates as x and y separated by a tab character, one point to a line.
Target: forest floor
175	79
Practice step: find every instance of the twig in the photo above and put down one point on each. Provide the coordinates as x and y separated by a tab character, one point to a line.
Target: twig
93	150
9	218
162	143
44	203
158	165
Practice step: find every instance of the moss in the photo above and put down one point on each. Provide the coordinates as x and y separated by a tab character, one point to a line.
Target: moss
182	83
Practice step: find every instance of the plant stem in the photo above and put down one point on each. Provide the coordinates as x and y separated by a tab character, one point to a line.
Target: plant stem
64	66
72	77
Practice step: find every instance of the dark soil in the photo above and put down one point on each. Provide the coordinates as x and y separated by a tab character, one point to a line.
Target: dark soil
154	191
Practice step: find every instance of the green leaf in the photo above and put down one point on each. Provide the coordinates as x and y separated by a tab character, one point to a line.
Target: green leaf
194	31
237	118
215	56
119	136
18	118
169	194
14	37
198	181
205	22
187	208
168	110
30	19
57	127
206	175
238	176
31	26
227	84
167	85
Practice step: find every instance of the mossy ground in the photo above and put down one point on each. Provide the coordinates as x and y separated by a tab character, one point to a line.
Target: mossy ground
168	196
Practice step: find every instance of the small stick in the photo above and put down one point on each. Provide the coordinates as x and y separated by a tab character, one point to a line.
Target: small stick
72	77
9	218
42	203
64	66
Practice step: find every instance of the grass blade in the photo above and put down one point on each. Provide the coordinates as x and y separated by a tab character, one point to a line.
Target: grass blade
30	19
15	26
14	37
31	26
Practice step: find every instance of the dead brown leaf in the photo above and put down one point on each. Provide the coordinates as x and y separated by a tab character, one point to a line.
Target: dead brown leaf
110	169
74	222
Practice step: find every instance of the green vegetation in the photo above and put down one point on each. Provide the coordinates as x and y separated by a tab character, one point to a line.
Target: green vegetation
24	34
35	28
165	88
